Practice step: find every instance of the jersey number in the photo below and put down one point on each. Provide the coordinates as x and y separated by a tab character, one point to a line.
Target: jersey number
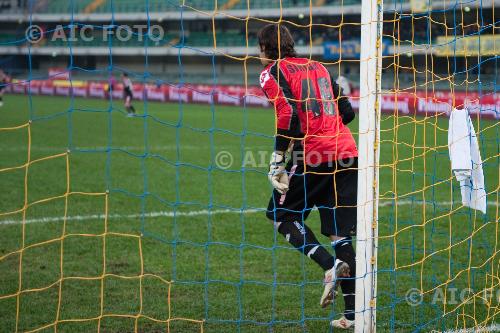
311	100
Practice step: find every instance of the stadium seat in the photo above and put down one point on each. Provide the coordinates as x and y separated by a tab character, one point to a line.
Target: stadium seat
126	6
64	6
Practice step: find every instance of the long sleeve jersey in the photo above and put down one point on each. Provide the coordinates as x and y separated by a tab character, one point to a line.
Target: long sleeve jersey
309	106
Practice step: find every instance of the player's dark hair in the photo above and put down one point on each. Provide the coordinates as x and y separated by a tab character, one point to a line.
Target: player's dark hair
268	41
125	74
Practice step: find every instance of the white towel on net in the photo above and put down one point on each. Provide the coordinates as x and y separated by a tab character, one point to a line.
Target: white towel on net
466	160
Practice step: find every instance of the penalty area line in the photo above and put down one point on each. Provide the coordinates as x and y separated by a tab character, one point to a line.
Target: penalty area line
203	212
132	216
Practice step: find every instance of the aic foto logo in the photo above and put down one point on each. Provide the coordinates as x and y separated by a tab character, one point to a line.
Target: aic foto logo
34	34
88	33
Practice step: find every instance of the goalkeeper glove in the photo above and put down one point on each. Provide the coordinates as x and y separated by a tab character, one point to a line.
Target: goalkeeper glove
277	172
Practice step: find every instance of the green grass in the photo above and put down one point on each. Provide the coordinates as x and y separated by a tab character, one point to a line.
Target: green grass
230	269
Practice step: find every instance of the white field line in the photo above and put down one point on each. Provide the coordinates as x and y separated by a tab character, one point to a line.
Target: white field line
171	147
100	148
190	213
481	329
131	216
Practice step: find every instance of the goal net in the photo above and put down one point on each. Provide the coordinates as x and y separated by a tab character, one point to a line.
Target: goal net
154	219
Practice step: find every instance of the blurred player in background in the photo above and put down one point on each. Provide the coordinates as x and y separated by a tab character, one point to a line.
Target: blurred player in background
111	86
127	94
311	116
4	80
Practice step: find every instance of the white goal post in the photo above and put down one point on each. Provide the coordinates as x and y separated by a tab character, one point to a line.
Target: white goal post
368	162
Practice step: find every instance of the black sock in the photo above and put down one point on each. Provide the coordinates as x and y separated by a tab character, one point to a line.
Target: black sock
132	108
304	240
345	252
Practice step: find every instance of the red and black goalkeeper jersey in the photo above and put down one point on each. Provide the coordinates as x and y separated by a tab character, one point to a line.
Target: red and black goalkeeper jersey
306	102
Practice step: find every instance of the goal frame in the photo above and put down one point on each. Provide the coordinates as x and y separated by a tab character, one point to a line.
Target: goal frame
368	164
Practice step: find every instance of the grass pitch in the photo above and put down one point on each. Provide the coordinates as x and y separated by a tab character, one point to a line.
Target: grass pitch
178	244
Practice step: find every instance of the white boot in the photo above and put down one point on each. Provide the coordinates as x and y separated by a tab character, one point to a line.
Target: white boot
342	323
339	270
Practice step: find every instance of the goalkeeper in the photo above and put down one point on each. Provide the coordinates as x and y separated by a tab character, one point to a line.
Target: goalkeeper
311	117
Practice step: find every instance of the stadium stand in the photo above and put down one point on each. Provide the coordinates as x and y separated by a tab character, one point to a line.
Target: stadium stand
61	6
137	6
197	35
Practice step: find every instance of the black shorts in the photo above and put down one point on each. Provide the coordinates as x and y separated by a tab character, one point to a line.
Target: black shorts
334	192
127	93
